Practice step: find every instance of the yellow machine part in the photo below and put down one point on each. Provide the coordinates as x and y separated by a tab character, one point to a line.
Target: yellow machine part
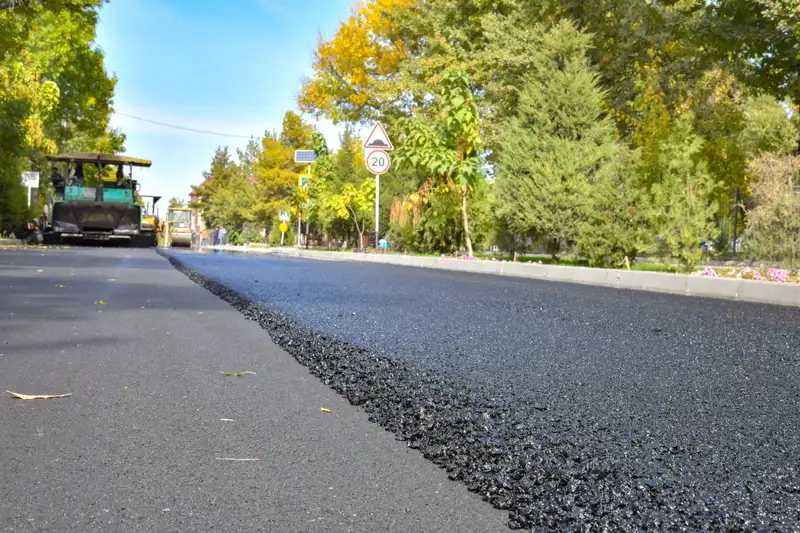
174	234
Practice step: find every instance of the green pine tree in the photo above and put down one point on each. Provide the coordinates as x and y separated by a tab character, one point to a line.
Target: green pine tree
556	147
619	223
682	190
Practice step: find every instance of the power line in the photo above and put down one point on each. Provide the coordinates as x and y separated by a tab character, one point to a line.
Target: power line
185	128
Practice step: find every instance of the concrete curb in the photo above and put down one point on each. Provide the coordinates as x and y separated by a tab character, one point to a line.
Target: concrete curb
765	292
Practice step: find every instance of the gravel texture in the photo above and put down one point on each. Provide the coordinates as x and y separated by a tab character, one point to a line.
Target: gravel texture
572	407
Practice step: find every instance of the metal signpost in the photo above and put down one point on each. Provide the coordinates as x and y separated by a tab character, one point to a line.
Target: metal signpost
31	181
378	162
308	157
284	217
284	227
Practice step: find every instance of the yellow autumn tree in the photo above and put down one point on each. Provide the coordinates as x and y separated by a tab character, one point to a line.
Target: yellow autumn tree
356	71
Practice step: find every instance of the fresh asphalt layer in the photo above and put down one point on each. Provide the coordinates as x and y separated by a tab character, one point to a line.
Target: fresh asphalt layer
631	410
141	444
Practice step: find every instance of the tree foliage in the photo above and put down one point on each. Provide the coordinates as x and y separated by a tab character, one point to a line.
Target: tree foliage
624	127
773	224
682	194
448	149
55	94
558	147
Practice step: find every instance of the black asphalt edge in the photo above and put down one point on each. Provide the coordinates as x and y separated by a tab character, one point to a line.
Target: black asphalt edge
525	464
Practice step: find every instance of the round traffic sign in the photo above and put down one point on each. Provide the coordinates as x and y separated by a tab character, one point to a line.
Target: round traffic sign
378	161
284	227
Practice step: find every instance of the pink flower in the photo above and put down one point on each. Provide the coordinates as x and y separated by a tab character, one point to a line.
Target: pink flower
707	272
777	274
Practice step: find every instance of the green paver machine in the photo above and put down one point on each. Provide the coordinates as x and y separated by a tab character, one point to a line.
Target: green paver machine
111	210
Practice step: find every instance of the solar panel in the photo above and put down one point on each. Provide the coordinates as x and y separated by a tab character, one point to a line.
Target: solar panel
304	156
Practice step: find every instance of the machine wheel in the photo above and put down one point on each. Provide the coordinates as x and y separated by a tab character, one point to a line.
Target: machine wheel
51	239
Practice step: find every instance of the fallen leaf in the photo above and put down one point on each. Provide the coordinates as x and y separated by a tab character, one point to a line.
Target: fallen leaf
227	420
19	396
60	286
326	410
238	374
40	271
100	302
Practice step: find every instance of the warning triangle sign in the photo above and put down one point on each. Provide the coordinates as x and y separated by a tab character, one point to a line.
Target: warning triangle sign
378	140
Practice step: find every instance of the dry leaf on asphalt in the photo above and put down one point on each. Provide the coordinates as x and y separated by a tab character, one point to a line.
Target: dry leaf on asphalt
227	420
60	286
238	374
326	410
19	396
100	302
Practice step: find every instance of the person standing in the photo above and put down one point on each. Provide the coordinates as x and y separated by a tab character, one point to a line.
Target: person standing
215	236
223	234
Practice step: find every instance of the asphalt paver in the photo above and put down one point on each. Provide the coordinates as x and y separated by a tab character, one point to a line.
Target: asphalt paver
156	438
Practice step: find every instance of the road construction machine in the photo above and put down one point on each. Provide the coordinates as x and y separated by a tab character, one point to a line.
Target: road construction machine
151	222
111	210
178	230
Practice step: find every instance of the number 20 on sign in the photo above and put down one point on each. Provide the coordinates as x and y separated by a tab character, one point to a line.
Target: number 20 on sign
378	161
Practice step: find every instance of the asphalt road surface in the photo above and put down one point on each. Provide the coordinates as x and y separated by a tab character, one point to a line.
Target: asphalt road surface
141	445
628	410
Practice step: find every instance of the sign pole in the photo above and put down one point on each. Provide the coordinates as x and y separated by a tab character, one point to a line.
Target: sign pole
308	184
299	208
377	208
29	196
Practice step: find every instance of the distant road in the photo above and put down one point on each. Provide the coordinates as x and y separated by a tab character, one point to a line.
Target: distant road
141	445
682	409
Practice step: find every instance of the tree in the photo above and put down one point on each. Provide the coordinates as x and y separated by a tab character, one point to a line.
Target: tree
619	221
296	134
760	39
274	177
177	202
558	146
54	91
354	204
221	197
682	194
447	150
768	129
355	71
773	224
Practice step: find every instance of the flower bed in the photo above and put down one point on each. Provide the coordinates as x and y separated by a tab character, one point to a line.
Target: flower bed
778	275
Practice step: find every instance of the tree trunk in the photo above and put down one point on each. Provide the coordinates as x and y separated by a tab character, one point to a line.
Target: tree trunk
465	219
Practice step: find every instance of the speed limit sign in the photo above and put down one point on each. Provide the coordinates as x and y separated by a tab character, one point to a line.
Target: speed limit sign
378	161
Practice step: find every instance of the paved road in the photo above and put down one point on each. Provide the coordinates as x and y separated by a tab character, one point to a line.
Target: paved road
693	402
138	445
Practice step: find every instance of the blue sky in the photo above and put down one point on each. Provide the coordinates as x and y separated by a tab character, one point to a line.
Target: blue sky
229	66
